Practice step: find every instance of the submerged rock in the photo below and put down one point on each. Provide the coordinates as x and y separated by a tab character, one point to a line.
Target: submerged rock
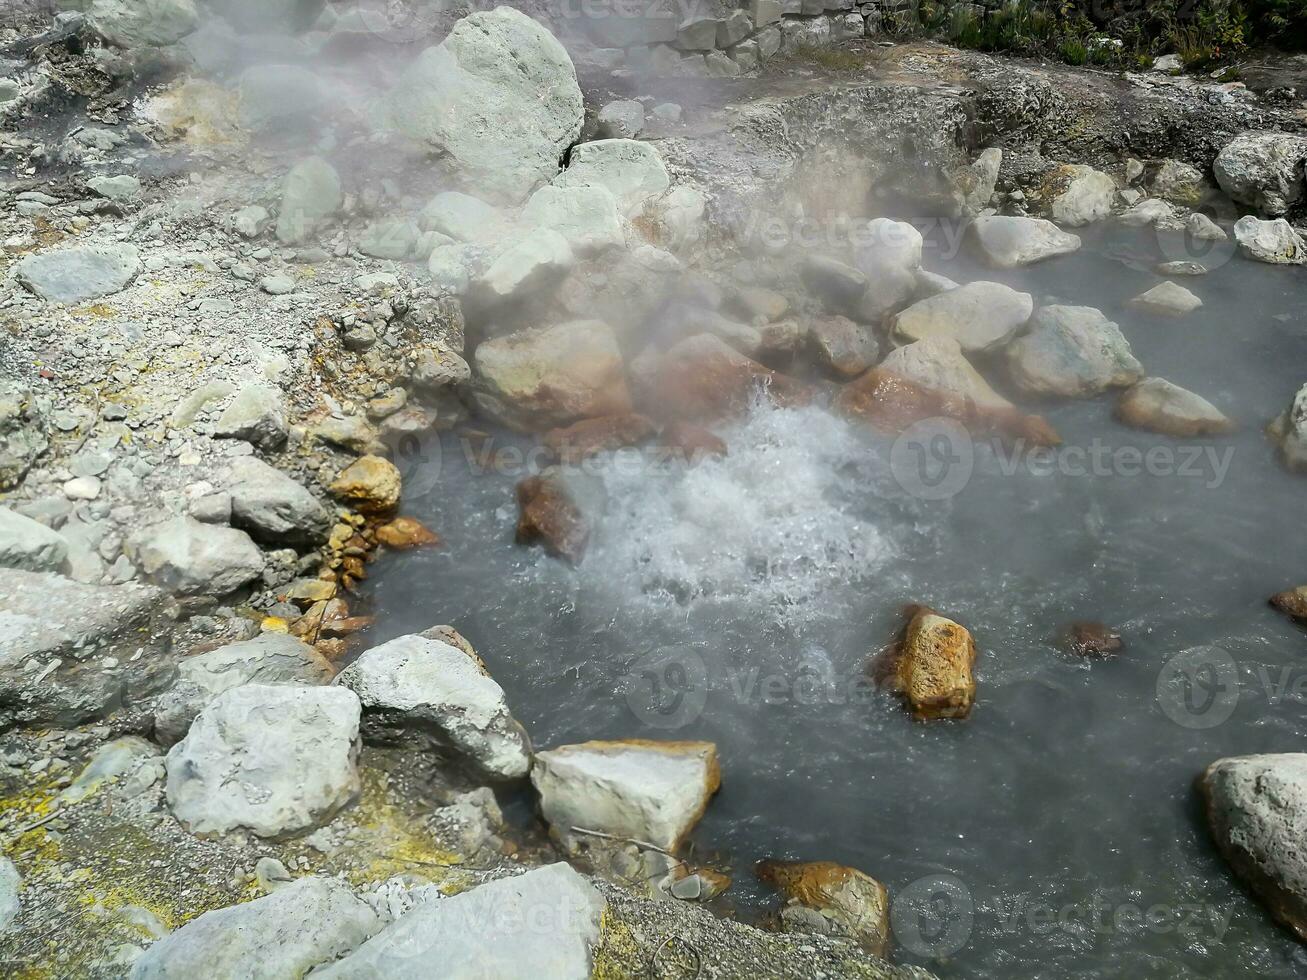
557	509
1167	299
370	483
1292	602
303	924
504	131
1009	242
654	792
269	658
275	761
29	545
1289	431
831	899
980	316
1088	639
422	687
545	924
1072	352
588	437
1275	241
931	666
1263	170
1160	406
1257	814
74	275
189	558
549	376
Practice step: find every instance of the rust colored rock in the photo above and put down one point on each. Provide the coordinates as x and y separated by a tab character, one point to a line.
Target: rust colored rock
590	436
406	532
1292	602
892	403
555	510
1160	406
683	442
701	379
370	484
822	896
932	666
1088	639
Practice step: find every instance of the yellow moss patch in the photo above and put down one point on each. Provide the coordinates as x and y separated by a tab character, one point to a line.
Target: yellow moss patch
618	956
401	842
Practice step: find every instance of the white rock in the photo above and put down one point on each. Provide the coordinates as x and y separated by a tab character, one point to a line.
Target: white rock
622	119
1153	211
271	760
1071	351
10	883
1008	242
1167	299
537	262
27	544
464	218
1263	170
1275	241
1160	406
543	924
631	170
980	316
652	791
938	364
586	216
121	188
73	275
256	414
136	23
1086	199
1204	229
1290	432
505	130
310	195
189	558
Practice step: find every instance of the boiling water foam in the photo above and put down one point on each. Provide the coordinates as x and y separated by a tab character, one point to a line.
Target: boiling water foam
785	516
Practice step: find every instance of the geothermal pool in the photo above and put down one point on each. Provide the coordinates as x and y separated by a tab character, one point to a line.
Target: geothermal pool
1056	832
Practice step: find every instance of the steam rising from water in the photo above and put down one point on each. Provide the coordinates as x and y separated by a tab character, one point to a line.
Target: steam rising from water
781	519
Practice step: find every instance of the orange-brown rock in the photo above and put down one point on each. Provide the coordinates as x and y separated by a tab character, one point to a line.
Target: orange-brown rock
555	510
892	403
829	898
406	532
932	666
1292	602
702	379
683	442
1088	639
370	484
590	436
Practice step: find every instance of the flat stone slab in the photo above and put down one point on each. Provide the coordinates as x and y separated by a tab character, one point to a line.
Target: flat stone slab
980	316
1007	242
74	275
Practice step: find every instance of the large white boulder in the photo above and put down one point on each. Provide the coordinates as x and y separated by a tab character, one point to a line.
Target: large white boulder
980	316
423	686
1275	241
137	23
1264	170
586	216
498	97
1083	195
632	171
275	761
651	791
1007	242
543	924
1071	351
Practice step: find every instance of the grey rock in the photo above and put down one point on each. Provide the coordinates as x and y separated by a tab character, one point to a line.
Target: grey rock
842	346
1009	242
193	559
1086	199
251	221
311	194
668	112
212	508
1179	183
1275	241
980	316
10	884
734	27
623	119
478	933
718	64
1204	229
275	761
631	170
269	658
277	285
28	545
586	216
526	271
1072	352
257	414
974	184
352	432
697	34
464	218
23	422
302	925
1289	431
272	506
137	23
1160	406
1167	299
390	238
938	364
839	286
121	188
1150	212
1264	171
130	764
505	131
74	275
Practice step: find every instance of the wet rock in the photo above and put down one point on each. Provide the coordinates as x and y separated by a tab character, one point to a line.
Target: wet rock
189	558
139	23
689	444
1257	814
1275	241
556	509
651	791
504	131
74	275
1289	431
1072	352
844	901
1160	406
931	666
1263	170
756	302
257	414
301	925
28	545
1179	183
69	651
623	119
1167	299
1088	639
980	316
272	506
1203	229
480	933
275	761
676	220
269	658
269	16
310	195
419	689
1150	212
631	170
1292	602
1181	267
23	424
370	484
545	377
405	533
586	216
702	379
1074	195
1009	242
588	437
527	270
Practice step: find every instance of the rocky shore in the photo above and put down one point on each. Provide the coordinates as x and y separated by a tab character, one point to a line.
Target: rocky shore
251	257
